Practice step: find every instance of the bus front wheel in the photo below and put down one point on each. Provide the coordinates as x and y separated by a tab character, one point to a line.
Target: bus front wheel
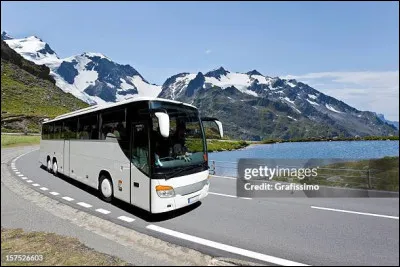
106	188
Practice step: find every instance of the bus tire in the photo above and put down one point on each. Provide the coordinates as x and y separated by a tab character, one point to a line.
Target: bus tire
48	165
105	188
55	167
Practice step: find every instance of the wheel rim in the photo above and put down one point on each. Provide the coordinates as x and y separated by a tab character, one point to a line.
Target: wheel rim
106	188
55	167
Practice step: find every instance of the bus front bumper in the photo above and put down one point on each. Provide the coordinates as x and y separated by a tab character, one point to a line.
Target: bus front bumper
179	201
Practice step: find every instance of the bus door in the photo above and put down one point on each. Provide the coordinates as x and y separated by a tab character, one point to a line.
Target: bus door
140	167
66	158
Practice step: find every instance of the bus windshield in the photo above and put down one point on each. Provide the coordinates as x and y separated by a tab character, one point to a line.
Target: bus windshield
185	146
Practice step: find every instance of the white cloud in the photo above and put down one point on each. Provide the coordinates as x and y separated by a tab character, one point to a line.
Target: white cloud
368	90
208	51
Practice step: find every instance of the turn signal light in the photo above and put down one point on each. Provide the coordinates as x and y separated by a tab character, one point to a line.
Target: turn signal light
164	187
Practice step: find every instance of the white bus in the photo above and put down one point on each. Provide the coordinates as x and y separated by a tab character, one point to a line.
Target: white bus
148	152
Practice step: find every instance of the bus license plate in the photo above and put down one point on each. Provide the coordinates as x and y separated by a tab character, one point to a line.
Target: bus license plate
193	199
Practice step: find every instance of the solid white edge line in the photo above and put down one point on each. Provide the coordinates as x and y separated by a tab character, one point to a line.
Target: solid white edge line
220	246
44	188
54	193
68	198
126	219
83	204
223	195
356	212
103	211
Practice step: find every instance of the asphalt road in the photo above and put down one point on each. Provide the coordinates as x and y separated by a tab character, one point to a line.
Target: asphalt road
312	231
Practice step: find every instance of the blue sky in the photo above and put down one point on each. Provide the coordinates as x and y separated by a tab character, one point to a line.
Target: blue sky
323	43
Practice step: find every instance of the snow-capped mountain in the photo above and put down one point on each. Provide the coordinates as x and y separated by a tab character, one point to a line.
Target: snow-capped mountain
254	106
91	77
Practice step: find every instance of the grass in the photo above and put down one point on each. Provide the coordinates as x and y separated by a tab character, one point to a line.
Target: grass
56	250
379	174
27	99
195	145
19	140
316	139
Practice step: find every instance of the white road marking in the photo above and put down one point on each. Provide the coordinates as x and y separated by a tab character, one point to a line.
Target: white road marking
68	198
44	188
83	204
17	173
24	178
103	211
54	193
248	198
126	219
231	249
29	181
35	184
224	195
20	175
356	212
223	177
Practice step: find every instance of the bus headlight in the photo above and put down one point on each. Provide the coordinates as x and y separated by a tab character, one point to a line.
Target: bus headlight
165	191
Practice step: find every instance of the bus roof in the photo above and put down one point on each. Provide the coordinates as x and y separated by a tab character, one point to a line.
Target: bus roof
105	106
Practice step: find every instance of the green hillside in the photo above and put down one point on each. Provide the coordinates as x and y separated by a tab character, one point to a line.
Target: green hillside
28	94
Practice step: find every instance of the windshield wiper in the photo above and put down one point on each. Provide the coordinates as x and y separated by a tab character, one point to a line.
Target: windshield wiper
181	169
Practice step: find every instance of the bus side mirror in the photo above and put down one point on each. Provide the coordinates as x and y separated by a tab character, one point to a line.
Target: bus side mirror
163	123
216	121
221	130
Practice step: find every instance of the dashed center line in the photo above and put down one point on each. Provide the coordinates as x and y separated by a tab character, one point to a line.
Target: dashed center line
83	204
68	198
44	188
54	193
356	212
103	211
29	181
224	195
35	184
20	175
24	178
126	219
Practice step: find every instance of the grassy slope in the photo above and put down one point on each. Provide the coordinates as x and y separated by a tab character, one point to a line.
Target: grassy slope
19	140
56	250
29	98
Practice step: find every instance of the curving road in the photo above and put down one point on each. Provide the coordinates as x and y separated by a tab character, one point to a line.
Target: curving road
280	231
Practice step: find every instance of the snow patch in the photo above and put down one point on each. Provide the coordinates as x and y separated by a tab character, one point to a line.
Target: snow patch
312	96
332	108
312	102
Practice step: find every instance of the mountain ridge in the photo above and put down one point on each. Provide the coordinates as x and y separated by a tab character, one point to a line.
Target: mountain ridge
276	107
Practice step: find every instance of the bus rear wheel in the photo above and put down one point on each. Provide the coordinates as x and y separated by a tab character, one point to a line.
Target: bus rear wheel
49	165
55	168
105	188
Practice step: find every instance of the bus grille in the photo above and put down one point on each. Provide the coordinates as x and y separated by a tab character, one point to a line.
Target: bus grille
191	188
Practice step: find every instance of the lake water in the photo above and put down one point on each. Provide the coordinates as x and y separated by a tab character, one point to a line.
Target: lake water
302	150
